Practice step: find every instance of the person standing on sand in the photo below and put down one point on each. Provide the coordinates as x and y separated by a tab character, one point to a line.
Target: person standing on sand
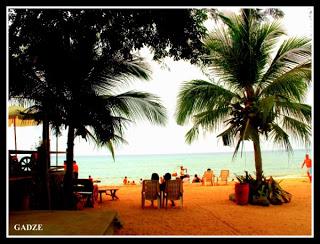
125	180
182	174
75	169
308	163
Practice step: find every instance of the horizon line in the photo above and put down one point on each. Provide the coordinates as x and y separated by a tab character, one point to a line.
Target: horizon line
186	153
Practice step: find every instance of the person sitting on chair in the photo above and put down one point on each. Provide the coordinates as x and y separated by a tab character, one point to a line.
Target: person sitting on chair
196	179
166	177
154	176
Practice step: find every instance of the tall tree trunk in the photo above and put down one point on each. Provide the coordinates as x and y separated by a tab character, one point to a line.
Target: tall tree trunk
257	156
46	163
68	177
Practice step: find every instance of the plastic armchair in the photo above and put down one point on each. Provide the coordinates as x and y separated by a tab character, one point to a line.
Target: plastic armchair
150	191
223	177
208	178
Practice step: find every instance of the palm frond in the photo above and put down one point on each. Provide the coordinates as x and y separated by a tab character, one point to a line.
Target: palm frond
139	105
223	56
240	54
292	53
136	68
86	133
117	139
192	134
105	76
293	83
197	96
228	136
266	105
265	41
210	120
299	111
246	132
111	149
280	137
240	140
298	129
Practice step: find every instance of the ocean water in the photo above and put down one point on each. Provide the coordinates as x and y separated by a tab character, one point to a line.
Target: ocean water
103	168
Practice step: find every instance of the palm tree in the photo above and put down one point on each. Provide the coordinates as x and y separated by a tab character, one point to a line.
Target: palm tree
260	90
91	107
96	111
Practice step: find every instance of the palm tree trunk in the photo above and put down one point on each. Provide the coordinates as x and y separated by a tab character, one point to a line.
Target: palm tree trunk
46	163
257	157
68	177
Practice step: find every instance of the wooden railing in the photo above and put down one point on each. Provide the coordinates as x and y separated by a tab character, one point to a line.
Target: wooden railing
24	163
32	151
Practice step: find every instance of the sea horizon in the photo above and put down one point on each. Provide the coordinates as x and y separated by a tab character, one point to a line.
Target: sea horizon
192	153
276	163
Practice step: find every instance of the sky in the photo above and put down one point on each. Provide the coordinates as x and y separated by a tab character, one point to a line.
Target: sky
167	77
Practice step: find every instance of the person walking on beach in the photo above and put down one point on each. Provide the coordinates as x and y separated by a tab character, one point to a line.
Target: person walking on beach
125	180
308	163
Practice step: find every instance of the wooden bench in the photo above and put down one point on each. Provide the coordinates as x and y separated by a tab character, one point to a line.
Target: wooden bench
109	191
87	197
84	187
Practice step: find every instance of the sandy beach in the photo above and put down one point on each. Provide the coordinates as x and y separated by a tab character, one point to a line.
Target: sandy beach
207	211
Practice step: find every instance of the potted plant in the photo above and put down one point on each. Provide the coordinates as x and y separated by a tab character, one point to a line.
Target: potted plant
242	189
264	192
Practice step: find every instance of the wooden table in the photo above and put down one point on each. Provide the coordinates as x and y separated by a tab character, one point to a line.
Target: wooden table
109	191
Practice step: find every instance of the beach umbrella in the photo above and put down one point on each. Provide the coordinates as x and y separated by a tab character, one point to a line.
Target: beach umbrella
17	118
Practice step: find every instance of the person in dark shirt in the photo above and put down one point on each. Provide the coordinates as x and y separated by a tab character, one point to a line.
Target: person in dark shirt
196	179
154	176
166	177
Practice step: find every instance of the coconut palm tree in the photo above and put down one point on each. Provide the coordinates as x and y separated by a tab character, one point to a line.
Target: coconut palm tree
98	112
93	109
260	87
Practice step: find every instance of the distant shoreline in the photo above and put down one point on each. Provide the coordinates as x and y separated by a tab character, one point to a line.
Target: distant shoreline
182	153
